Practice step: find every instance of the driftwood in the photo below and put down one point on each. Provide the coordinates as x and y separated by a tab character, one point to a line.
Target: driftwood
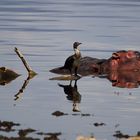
7	75
31	73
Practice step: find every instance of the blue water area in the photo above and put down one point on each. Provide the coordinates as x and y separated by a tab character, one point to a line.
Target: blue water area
44	32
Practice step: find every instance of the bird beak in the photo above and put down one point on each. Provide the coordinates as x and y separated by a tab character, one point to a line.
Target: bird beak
79	43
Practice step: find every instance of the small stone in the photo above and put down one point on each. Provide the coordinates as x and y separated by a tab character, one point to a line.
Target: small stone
58	113
99	124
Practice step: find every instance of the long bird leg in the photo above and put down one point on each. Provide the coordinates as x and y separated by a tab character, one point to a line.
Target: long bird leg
75	85
76	71
70	82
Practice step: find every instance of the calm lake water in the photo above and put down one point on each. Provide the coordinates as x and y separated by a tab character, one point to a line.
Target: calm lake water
44	31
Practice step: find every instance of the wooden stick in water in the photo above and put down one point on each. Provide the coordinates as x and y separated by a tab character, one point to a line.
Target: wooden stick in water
28	68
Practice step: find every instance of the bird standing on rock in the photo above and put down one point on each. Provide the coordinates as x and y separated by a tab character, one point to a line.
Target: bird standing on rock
72	62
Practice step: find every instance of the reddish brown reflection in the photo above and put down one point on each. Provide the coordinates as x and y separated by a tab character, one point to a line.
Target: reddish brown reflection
125	79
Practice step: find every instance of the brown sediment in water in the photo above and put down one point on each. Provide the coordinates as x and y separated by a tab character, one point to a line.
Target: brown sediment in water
99	124
58	113
7	126
22	134
25	132
119	134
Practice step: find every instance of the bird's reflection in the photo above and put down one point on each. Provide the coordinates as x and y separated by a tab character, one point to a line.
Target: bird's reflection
72	94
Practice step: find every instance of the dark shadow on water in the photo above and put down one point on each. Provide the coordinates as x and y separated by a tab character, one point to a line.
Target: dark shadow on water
72	94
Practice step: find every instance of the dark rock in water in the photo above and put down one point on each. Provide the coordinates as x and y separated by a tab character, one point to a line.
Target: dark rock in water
119	134
7	75
24	132
58	113
7	126
16	138
85	115
99	124
138	133
56	134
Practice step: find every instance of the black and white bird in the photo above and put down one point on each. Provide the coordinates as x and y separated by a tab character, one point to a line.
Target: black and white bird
73	61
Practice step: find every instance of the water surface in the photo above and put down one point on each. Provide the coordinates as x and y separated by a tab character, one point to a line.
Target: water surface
44	31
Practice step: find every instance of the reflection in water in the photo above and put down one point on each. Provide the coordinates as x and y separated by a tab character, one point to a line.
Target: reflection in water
121	79
21	90
43	29
85	138
121	136
122	68
125	79
7	75
72	94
